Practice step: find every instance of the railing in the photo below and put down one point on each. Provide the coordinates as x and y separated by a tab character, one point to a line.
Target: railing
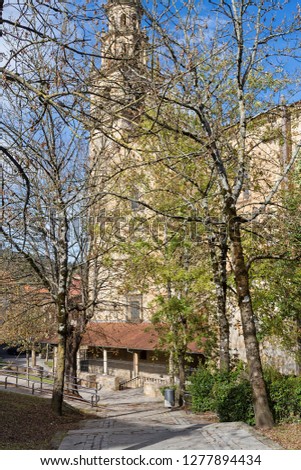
96	366
37	380
136	381
155	380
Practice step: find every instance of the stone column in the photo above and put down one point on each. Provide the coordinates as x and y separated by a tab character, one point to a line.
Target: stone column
33	358
78	356
105	361
136	364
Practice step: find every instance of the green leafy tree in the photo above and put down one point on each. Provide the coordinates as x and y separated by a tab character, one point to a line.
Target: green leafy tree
222	81
180	323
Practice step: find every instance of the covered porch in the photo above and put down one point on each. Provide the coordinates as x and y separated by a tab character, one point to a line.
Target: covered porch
126	351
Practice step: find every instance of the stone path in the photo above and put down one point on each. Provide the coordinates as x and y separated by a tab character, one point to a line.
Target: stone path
128	420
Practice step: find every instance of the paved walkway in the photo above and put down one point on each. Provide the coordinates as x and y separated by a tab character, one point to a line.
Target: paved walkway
128	420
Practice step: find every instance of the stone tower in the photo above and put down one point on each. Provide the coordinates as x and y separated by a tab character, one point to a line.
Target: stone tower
124	42
117	99
124	56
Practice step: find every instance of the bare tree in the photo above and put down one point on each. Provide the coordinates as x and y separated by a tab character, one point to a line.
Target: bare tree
214	73
43	213
45	76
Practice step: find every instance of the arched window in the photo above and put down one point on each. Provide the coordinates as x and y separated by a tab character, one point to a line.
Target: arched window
134	21
123	20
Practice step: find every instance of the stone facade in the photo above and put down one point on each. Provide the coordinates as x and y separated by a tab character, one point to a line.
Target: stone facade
116	99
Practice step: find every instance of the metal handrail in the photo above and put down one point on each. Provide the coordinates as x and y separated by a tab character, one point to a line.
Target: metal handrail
93	391
125	382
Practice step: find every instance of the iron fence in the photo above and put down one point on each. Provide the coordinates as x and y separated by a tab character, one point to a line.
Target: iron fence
40	381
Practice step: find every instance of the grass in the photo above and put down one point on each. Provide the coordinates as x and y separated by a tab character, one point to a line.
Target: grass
35	378
29	423
49	364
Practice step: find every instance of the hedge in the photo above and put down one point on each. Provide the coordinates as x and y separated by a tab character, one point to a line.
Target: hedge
230	395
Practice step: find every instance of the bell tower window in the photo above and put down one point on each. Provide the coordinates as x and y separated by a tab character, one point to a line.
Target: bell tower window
123	20
124	48
134	21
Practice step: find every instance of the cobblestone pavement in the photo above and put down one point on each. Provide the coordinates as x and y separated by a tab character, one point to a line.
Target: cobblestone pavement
128	420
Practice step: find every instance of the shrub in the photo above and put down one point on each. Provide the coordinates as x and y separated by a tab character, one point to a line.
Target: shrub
234	401
230	395
285	396
201	384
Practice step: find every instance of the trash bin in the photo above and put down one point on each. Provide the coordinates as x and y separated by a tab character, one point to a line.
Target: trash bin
169	398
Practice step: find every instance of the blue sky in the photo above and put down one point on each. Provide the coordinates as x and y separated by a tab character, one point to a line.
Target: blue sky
286	11
205	8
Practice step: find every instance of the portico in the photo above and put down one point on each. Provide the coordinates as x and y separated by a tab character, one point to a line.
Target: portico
126	350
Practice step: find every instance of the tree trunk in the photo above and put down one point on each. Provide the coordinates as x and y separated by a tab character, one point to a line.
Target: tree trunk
58	386
33	358
47	353
27	366
61	303
224	347
298	355
181	378
263	415
72	347
171	368
218	253
59	378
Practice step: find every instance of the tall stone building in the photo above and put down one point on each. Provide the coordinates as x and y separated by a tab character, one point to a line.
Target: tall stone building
117	100
119	343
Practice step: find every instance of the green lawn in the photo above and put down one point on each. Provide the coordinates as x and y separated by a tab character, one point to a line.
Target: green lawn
36	378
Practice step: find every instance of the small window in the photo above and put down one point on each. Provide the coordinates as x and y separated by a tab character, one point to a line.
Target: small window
134	303
124	48
84	366
106	92
134	310
135	205
101	220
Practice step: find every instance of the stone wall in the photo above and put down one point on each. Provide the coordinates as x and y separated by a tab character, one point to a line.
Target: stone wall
271	352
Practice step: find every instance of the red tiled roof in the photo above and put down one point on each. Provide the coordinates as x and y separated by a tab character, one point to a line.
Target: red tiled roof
125	335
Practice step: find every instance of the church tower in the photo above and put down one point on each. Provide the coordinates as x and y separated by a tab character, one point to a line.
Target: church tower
117	101
122	337
118	87
124	42
120	83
